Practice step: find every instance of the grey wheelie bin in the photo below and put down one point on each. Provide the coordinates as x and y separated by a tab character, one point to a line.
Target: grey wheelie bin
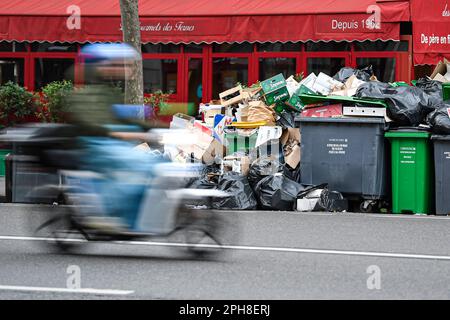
347	153
442	173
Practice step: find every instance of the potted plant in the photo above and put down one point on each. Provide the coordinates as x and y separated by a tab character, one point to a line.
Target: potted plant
54	101
17	105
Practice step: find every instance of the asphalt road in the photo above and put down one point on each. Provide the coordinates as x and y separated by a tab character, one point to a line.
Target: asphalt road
278	255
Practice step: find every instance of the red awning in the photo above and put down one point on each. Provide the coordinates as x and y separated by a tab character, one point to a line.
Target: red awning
431	31
185	21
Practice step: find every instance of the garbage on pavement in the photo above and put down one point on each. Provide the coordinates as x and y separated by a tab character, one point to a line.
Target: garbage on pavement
252	138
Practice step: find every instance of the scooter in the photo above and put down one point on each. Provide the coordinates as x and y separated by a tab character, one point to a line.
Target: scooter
159	207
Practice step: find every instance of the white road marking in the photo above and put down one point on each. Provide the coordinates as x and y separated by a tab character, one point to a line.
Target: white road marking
66	290
254	248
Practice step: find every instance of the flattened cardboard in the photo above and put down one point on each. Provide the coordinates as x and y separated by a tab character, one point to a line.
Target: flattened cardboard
441	68
293	158
334	110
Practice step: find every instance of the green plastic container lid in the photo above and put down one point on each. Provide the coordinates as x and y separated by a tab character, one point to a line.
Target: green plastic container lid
313	99
407	133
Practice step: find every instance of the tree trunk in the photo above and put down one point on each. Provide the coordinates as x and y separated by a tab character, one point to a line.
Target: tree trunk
134	86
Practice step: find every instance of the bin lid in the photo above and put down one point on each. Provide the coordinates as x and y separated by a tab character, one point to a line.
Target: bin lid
411	133
440	137
363	120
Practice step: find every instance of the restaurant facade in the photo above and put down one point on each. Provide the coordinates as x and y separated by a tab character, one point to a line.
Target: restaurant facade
196	49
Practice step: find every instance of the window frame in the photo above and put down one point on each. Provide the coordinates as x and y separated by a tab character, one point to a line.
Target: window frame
26	62
325	54
250	68
268	55
171	56
381	54
33	56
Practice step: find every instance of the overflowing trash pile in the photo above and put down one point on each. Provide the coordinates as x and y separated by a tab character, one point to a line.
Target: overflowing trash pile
251	143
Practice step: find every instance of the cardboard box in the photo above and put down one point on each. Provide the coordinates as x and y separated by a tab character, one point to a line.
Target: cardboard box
203	148
290	134
290	140
242	113
266	134
209	111
220	123
203	127
259	111
295	103
330	111
350	87
293	158
231	96
292	85
440	71
250	92
182	121
236	164
275	89
309	81
324	84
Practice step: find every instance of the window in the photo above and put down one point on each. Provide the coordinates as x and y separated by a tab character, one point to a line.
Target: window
12	70
12	46
381	46
327	46
53	47
160	74
195	89
383	68
268	67
160	48
48	70
233	47
279	47
227	72
193	48
329	66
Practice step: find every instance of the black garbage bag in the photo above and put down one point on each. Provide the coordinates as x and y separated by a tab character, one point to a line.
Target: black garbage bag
323	199
262	168
241	194
293	174
287	119
407	106
203	183
333	201
373	89
346	72
439	119
431	87
277	192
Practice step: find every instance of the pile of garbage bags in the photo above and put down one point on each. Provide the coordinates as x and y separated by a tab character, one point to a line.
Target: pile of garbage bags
267	187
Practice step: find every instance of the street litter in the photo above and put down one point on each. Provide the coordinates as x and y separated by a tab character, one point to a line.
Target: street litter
251	141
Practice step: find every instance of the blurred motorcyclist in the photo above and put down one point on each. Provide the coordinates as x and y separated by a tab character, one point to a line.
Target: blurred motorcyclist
124	168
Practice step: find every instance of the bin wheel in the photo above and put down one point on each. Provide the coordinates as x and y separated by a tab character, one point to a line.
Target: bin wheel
367	207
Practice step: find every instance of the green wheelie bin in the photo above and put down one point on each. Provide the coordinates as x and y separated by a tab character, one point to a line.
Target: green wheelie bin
412	171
